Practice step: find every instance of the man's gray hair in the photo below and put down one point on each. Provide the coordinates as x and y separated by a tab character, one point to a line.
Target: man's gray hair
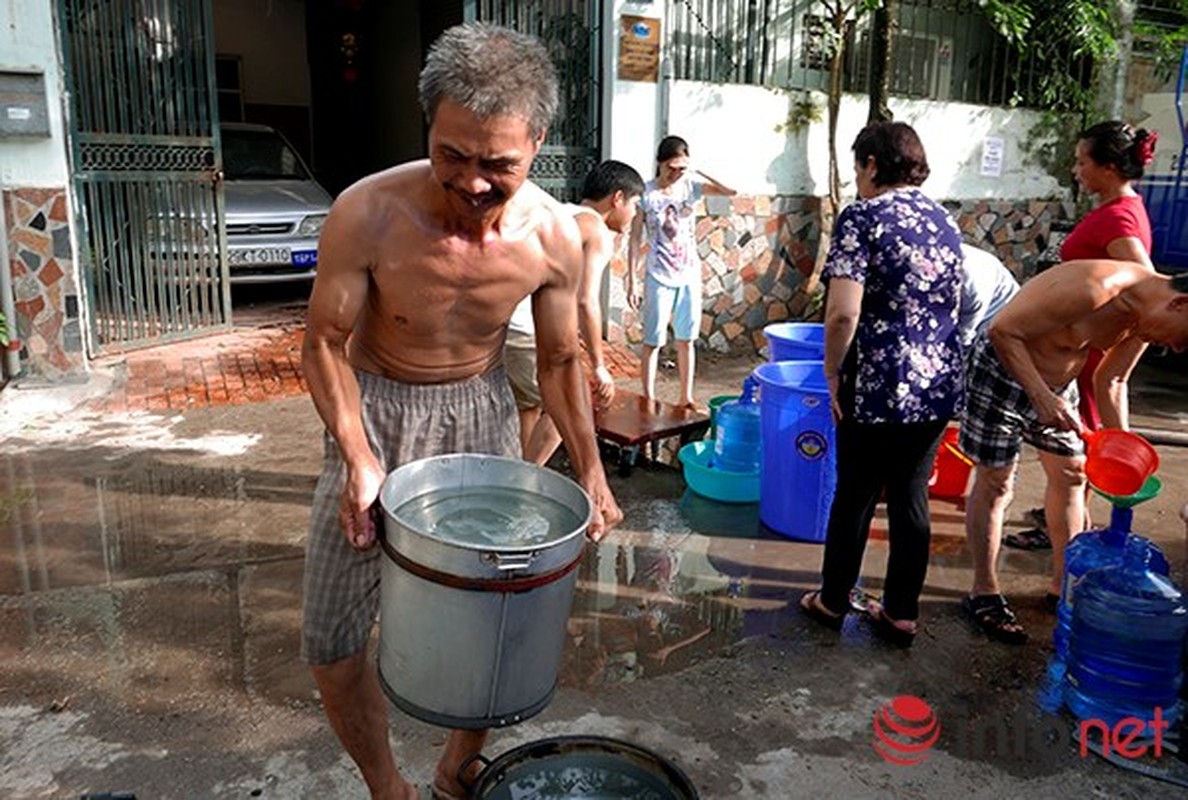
490	71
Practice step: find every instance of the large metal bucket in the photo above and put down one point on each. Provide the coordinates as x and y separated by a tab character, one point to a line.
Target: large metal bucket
471	636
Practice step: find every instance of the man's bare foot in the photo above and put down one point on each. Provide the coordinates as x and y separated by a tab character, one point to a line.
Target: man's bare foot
694	406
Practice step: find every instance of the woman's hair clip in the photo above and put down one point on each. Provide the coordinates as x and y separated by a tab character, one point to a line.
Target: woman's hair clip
1144	146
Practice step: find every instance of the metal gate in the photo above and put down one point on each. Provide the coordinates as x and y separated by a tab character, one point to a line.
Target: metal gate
572	32
1165	189
146	168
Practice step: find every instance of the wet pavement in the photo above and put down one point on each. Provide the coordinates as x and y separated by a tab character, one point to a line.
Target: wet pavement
150	581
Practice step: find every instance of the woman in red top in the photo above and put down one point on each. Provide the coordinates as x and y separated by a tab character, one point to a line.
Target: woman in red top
1110	157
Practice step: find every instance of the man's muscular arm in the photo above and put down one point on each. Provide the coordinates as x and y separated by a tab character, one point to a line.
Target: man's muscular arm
339	292
562	384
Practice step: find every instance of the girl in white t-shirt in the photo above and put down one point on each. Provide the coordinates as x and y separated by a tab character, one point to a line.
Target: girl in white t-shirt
672	286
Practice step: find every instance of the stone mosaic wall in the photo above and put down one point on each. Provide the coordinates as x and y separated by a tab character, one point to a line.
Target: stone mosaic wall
44	287
758	254
1017	230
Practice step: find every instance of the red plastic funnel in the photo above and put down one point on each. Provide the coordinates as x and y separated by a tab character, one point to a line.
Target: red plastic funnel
1118	462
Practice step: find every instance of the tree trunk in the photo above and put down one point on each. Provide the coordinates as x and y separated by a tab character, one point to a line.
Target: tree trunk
835	89
882	38
1113	86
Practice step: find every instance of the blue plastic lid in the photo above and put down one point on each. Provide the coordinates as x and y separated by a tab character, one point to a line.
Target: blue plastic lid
804	376
806	332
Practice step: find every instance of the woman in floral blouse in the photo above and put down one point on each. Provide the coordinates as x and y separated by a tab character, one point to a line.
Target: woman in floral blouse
893	363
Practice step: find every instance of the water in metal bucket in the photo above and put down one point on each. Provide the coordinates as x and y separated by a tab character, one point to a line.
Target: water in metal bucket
495	516
582	768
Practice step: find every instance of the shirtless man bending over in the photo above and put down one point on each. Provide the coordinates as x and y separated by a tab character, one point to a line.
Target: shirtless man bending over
419	269
1021	384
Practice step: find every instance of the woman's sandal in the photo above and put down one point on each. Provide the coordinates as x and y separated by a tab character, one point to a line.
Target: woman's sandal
886	629
994	618
813	608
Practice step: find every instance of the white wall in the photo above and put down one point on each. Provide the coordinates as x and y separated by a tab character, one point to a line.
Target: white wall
740	135
28	41
1160	108
632	110
269	36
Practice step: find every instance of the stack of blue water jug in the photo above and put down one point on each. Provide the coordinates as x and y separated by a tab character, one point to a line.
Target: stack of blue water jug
1121	628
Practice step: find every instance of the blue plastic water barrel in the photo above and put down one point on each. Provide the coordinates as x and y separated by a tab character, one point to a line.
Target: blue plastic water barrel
795	341
737	445
1127	639
798	473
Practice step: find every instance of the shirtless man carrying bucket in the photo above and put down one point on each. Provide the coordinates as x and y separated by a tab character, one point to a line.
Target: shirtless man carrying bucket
419	269
1021	384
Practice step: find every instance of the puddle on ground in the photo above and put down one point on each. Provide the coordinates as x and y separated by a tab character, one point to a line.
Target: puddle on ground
158	582
152	580
78	521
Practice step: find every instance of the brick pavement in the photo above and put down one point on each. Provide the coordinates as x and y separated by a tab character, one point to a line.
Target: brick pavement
247	365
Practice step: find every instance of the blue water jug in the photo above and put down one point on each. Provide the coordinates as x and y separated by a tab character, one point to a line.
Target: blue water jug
1126	642
1093	550
737	447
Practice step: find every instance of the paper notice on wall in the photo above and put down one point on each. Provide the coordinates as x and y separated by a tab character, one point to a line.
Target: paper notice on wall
993	149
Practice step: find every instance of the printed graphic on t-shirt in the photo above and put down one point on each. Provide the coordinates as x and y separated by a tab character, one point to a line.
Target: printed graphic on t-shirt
669	219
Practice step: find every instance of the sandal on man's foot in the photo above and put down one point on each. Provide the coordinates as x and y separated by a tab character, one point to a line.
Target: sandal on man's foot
438	793
994	618
1033	539
813	608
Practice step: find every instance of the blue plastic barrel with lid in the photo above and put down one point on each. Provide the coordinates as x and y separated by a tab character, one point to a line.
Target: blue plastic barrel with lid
798	473
1126	643
737	440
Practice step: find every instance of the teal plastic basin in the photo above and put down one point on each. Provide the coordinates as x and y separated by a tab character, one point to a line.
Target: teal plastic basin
725	487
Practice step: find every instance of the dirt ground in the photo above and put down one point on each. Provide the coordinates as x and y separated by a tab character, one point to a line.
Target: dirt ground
150	582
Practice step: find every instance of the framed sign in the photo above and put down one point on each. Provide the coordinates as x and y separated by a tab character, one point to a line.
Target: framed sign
639	48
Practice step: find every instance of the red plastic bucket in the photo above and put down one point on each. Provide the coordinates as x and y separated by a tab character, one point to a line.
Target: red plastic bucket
1118	462
950	471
